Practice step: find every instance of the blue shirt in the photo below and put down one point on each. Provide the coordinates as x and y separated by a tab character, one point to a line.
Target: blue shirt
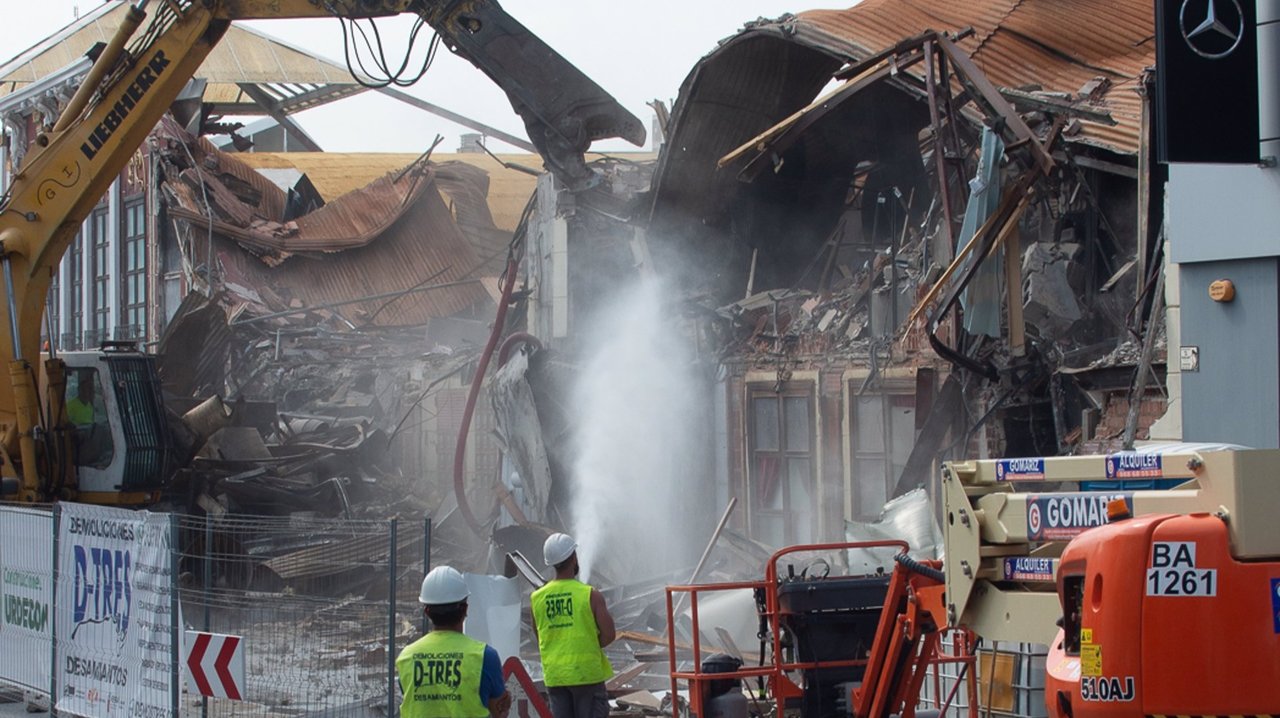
491	683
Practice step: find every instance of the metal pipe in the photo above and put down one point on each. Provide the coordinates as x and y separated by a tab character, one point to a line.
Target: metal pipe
13	307
946	706
706	552
357	300
391	623
1139	387
671	660
991	677
105	62
53	601
175	645
426	558
208	581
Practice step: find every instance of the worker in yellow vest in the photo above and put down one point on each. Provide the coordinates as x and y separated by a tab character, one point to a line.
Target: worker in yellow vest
445	674
572	625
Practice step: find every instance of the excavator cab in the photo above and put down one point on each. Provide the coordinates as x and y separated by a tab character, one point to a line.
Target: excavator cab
121	448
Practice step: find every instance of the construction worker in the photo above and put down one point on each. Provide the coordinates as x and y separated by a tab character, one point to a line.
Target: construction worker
80	406
572	625
94	446
445	674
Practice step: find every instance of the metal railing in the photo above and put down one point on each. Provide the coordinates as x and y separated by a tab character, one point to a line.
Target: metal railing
935	659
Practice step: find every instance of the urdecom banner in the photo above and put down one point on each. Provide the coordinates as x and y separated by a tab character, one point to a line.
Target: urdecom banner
26	591
114	616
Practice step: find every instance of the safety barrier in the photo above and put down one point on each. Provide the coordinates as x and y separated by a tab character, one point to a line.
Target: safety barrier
99	605
89	606
322	607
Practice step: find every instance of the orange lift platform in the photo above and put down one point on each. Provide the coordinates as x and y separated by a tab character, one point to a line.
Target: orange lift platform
858	646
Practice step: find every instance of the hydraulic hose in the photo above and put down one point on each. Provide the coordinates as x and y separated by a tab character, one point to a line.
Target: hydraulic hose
460	450
916	567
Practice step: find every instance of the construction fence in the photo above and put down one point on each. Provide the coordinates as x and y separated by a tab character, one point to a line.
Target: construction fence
101	604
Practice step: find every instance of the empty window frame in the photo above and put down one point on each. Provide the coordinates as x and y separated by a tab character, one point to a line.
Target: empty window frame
883	432
133	267
781	471
100	270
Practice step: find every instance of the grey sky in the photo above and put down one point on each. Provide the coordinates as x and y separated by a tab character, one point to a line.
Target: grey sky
638	51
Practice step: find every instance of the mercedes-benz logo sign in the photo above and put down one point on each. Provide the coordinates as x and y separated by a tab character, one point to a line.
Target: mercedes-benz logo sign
1211	28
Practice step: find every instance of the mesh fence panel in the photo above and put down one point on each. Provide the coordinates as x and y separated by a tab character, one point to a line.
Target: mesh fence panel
317	603
26	591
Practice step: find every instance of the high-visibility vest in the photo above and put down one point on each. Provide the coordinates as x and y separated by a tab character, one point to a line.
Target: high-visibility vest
440	677
568	637
79	412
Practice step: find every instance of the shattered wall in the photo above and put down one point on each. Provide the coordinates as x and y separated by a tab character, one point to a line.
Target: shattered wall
839	219
356	322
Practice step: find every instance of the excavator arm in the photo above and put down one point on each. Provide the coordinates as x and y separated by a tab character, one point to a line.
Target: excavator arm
131	85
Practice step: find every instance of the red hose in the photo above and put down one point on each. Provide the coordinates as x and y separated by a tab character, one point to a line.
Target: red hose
460	452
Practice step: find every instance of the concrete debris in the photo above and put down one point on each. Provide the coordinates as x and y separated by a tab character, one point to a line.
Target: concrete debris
1049	300
520	434
644	701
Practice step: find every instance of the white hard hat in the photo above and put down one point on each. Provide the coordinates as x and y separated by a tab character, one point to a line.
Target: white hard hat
443	585
558	548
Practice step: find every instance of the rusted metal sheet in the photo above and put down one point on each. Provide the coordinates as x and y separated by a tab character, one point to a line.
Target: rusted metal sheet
467	189
271	199
422	242
193	348
391	235
487	198
1057	45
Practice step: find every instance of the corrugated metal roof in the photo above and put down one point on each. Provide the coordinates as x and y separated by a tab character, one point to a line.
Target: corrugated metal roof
487	198
772	68
335	174
1058	45
393	234
243	55
420	245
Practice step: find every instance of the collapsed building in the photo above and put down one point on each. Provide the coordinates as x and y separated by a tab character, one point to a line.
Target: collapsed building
890	235
321	319
353	323
893	234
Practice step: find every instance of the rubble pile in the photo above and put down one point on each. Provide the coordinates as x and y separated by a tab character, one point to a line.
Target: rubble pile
982	233
324	433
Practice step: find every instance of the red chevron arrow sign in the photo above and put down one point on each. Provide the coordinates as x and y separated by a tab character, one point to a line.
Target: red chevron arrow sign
215	664
526	702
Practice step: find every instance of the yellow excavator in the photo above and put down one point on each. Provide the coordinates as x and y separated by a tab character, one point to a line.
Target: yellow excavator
105	439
